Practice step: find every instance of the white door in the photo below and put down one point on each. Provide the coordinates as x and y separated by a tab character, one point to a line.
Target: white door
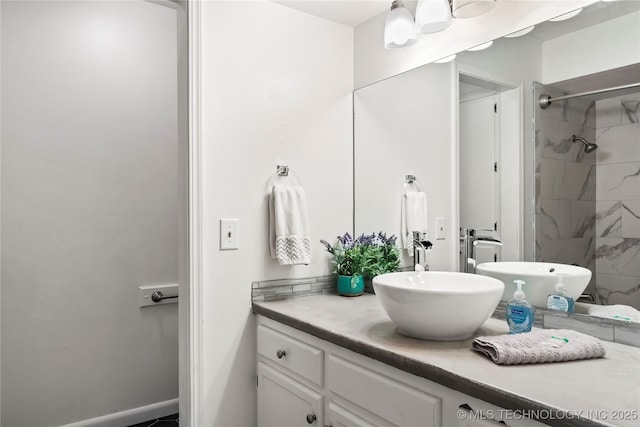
283	401
478	169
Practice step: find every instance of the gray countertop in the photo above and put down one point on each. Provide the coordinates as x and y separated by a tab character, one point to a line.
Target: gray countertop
587	392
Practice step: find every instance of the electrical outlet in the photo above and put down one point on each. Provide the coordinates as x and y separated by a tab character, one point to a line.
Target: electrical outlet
441	228
228	233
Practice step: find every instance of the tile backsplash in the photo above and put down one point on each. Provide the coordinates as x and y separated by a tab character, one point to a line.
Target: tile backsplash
271	290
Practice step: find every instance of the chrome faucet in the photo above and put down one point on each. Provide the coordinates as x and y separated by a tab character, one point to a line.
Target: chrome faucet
420	247
469	240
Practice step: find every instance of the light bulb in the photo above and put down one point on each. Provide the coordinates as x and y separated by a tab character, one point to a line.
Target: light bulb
482	46
446	59
566	15
521	32
432	16
399	28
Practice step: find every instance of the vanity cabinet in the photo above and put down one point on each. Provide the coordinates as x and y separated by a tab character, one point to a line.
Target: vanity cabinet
283	401
290	379
303	380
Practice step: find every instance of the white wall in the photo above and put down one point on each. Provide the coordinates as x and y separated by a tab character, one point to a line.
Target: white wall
88	208
276	89
586	51
373	62
402	127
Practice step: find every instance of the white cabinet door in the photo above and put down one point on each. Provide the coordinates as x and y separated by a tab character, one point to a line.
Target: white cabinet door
338	416
382	395
284	402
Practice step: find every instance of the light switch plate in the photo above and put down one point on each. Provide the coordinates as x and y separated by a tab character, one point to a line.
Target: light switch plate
441	228
228	234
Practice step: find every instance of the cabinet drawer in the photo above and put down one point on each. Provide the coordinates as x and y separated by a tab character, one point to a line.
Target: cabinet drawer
397	403
291	353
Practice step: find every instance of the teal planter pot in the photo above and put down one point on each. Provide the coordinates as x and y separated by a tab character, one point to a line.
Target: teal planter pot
350	286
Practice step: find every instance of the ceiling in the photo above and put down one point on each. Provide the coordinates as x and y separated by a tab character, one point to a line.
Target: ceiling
347	12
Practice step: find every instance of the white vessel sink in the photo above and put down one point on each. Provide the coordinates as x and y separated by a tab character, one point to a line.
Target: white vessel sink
540	278
437	305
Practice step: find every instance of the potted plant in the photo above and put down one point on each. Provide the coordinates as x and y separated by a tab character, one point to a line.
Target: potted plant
363	257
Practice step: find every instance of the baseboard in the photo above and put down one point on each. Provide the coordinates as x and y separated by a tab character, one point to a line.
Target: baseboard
131	416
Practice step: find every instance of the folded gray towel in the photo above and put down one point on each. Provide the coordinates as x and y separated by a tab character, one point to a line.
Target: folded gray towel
540	346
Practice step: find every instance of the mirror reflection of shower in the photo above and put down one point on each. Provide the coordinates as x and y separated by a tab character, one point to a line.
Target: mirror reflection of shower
588	146
587	206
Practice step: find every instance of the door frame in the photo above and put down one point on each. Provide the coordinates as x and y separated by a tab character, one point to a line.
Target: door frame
513	155
190	214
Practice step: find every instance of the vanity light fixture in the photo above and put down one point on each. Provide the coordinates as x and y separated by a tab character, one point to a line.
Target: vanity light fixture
482	46
432	16
399	28
566	16
446	59
471	8
521	32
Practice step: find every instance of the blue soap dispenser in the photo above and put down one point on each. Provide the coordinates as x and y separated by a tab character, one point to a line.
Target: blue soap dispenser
560	300
520	314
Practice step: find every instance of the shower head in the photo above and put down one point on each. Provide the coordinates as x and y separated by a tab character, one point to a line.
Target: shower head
588	147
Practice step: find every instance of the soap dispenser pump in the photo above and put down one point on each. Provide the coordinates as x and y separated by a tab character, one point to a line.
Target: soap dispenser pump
520	314
560	300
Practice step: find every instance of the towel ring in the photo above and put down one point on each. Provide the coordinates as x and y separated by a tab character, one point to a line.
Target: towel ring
411	180
283	173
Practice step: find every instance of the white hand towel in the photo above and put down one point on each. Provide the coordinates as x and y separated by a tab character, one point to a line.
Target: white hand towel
413	217
617	312
541	346
289	239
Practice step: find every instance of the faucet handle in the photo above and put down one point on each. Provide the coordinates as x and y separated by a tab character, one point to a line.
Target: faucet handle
419	236
473	232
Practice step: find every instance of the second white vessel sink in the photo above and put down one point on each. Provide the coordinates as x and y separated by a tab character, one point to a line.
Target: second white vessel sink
437	305
540	278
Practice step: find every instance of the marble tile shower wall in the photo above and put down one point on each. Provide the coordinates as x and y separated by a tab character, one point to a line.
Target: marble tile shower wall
565	182
617	224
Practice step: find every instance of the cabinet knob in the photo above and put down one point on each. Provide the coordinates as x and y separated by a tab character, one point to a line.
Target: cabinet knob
281	354
311	418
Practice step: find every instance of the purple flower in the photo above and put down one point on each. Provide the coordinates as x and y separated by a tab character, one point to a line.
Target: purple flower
347	242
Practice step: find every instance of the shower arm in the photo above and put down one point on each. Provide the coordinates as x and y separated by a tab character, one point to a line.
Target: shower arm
588	147
545	100
577	138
